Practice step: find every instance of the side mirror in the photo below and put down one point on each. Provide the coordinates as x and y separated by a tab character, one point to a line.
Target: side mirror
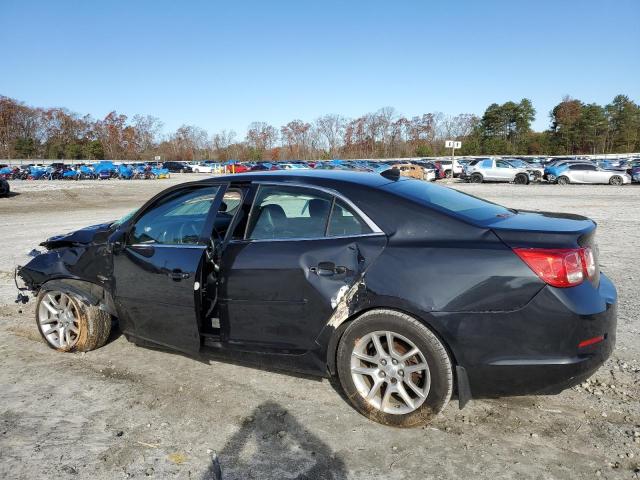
117	240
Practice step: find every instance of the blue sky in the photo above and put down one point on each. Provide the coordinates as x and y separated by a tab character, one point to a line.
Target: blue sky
224	64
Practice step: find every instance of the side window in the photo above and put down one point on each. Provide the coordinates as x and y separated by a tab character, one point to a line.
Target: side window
177	220
345	222
288	212
590	167
486	164
503	164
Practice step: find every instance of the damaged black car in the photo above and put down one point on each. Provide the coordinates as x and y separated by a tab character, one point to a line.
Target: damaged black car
407	292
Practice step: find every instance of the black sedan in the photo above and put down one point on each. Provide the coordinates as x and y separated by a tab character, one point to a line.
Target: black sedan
404	290
177	167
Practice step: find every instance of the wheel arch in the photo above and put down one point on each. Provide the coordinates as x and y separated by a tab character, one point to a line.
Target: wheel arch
336	334
89	293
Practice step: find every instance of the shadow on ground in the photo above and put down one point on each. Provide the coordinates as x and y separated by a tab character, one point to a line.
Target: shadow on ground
271	443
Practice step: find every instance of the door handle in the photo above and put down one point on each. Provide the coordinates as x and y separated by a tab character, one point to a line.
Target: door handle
177	275
327	269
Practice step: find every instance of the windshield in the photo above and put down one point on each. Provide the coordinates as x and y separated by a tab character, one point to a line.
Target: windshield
124	218
468	207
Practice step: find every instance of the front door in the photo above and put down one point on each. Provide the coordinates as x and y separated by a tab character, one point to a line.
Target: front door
157	270
302	252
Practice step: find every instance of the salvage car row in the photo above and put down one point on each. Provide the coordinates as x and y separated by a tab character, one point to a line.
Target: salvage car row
561	171
523	171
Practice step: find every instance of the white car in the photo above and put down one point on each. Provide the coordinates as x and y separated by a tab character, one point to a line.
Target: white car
451	168
205	167
492	170
584	173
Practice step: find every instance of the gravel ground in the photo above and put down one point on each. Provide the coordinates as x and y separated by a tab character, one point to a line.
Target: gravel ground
124	411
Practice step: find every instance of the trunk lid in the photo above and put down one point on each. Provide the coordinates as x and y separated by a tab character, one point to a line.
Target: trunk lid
528	229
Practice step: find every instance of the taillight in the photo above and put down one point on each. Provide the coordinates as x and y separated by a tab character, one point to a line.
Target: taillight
589	261
560	267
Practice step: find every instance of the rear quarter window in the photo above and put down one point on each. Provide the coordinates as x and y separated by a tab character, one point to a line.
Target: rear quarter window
462	205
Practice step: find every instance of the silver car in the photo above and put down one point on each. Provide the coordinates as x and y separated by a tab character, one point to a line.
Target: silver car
584	173
492	170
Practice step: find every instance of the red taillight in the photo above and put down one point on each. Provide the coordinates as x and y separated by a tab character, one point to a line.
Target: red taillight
560	267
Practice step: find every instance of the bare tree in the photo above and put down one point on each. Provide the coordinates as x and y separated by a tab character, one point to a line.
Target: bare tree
330	130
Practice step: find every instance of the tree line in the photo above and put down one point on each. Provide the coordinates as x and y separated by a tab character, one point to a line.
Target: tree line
575	128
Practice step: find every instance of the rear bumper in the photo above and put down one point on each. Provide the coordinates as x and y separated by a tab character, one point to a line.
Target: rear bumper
546	375
535	350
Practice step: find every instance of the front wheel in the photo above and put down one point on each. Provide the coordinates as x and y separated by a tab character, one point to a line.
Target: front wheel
521	179
66	324
393	369
563	180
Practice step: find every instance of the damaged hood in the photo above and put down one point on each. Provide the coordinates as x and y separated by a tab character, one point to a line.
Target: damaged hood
87	235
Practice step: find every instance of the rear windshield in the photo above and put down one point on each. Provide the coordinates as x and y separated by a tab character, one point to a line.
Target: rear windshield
468	207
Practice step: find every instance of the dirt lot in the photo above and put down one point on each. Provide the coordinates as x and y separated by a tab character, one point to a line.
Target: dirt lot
124	411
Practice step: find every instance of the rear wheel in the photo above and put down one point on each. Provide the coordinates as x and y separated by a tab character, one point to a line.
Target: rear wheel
616	180
563	180
521	179
448	174
66	324
393	369
476	178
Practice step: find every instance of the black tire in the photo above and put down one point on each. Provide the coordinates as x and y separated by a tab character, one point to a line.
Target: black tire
448	174
435	354
94	325
521	179
562	180
616	180
476	178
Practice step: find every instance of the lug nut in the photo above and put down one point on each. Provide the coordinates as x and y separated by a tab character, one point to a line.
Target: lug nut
382	374
393	380
394	361
401	373
383	362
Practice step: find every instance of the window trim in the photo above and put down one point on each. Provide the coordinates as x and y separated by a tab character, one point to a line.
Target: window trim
375	230
153	202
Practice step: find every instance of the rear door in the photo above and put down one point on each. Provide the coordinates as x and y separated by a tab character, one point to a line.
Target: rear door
158	266
302	251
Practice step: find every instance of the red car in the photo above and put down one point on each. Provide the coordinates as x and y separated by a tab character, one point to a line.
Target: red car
237	168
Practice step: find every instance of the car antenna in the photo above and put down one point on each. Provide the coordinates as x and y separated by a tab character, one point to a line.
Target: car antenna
391	174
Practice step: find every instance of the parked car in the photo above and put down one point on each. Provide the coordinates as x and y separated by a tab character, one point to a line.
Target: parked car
492	170
202	167
536	171
413	171
177	167
589	173
236	168
4	188
398	288
451	168
635	173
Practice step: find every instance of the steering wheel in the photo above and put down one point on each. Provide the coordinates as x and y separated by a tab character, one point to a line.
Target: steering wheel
188	229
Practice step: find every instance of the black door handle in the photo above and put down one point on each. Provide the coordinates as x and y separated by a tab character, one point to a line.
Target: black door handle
326	269
177	275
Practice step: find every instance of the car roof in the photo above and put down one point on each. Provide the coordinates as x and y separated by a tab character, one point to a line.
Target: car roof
311	177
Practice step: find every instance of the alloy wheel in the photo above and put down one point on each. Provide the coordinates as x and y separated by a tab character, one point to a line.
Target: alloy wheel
390	372
58	319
